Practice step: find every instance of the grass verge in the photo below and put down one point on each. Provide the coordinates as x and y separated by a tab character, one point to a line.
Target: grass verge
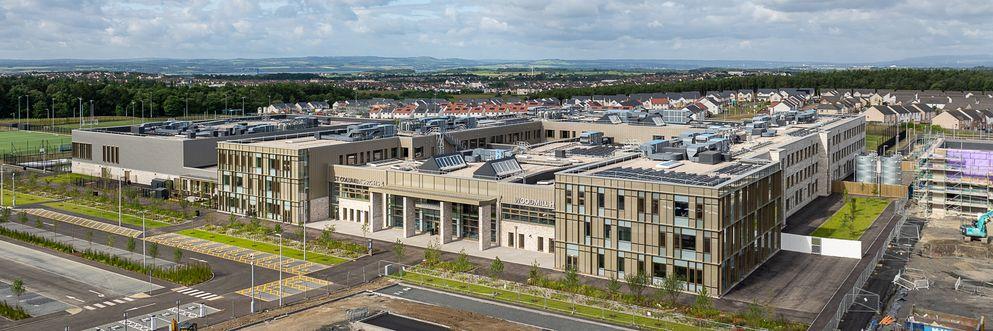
867	209
544	303
12	312
262	246
105	214
22	198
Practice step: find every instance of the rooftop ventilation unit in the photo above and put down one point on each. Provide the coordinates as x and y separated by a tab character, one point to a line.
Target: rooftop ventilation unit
498	169
591	138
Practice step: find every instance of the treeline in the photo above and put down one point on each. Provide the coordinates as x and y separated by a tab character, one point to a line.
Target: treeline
155	97
897	79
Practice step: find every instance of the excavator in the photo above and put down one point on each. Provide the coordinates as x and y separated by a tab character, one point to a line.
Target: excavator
977	230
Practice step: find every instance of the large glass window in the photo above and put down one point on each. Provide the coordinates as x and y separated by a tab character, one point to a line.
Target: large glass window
681	206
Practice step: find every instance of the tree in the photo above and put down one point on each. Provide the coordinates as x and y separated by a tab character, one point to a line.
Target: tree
5	215
17	288
431	254
852	214
636	284
177	255
571	280
399	249
365	229
613	287
535	276
496	268
131	244
670	288
153	250
233	222
278	229
462	263
703	300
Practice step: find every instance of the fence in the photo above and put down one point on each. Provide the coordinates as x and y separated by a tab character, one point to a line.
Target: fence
868	189
847	298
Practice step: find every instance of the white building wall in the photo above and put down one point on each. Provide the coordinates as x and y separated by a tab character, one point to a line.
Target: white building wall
531	234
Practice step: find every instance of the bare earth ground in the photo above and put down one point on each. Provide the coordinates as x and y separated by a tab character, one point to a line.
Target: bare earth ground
944	256
332	313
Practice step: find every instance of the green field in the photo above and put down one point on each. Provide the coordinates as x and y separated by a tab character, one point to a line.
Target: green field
545	303
150	222
873	141
262	246
22	198
31	141
867	209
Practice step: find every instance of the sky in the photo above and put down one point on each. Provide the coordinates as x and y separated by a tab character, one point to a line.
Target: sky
775	30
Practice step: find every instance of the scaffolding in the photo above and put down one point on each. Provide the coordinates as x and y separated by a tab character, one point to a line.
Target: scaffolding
951	177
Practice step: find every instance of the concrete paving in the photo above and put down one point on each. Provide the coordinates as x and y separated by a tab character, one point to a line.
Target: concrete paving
83	244
33	302
109	282
499	310
471	247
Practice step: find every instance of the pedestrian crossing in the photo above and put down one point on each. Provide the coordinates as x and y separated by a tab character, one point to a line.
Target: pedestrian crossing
197	293
84	222
108	303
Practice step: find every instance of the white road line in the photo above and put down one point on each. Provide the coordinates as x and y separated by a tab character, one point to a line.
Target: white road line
99	295
128	299
188	290
210	296
89	308
109	303
204	295
214	298
119	301
198	260
194	293
98	305
180	288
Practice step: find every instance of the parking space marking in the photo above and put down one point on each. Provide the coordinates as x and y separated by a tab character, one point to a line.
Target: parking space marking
291	286
84	222
234	253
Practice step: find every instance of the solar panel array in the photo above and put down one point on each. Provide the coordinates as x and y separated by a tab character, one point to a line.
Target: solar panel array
802	132
661	176
736	169
450	162
506	167
601	151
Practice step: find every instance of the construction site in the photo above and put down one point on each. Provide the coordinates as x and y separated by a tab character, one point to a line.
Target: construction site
941	270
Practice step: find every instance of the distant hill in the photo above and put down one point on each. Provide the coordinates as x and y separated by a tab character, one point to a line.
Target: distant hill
351	64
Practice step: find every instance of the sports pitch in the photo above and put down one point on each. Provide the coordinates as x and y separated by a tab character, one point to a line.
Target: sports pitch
31	141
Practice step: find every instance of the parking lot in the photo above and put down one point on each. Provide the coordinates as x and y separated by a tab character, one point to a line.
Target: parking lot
159	319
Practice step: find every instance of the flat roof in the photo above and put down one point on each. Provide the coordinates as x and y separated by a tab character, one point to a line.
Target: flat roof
299	142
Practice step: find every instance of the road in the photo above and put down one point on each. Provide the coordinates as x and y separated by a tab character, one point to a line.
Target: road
495	309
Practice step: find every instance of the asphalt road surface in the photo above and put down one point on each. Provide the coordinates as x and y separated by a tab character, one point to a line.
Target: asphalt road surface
498	310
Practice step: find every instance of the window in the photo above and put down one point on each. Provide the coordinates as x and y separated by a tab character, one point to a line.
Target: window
510	240
641	203
699	209
600	261
82	151
658	268
620	200
541	244
624	232
600	198
681	206
687	241
111	154
606	232
620	263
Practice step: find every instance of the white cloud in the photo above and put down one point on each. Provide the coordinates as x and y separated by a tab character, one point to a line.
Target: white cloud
814	30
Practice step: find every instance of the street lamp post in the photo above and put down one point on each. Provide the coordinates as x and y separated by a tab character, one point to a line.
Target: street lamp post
280	235
252	256
13	190
144	253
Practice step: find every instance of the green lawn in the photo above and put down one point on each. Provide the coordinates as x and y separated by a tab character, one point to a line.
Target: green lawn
150	221
545	303
873	141
31	141
262	246
867	209
22	198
